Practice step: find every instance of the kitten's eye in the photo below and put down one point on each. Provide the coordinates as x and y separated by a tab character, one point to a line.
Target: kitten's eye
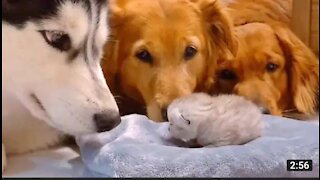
144	56
57	39
188	121
190	52
271	67
228	75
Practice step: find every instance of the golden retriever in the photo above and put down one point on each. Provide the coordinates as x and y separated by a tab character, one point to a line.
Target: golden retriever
273	68
164	49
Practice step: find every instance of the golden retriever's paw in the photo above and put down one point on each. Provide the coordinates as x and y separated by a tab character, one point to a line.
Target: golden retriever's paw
4	159
154	113
276	112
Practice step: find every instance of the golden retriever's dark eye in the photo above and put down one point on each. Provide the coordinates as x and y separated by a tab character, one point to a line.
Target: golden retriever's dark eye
57	39
144	56
228	75
190	52
271	67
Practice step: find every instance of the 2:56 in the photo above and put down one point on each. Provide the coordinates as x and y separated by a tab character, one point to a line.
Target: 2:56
301	165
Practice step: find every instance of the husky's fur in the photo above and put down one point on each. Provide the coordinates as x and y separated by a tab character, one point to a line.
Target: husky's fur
47	91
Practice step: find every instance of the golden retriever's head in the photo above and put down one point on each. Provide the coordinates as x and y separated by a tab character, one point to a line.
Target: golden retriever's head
273	68
164	49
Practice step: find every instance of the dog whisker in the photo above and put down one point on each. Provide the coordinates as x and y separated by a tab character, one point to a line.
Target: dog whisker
111	39
289	110
117	96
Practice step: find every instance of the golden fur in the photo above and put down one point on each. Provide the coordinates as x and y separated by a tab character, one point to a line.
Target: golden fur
266	11
160	31
273	68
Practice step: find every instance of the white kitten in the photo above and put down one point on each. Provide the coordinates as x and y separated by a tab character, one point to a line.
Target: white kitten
215	121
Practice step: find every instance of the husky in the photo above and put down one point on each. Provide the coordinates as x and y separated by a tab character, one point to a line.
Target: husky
52	82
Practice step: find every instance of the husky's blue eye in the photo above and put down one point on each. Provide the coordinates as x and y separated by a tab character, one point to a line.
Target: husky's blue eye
144	56
190	52
57	39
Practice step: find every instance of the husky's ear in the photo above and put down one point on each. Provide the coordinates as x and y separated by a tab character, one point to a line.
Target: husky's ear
19	11
220	26
303	70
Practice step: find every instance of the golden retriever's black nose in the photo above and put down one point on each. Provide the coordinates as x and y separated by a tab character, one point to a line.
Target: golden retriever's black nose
106	121
164	114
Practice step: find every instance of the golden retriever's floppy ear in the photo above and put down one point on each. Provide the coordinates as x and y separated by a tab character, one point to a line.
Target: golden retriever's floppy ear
110	56
110	62
116	12
303	70
220	26
223	44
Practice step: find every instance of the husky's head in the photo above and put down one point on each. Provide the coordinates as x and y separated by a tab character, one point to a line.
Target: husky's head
51	62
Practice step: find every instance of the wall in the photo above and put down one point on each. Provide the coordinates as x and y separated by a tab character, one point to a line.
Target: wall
305	22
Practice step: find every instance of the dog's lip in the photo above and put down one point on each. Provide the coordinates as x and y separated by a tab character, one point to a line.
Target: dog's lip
37	101
49	121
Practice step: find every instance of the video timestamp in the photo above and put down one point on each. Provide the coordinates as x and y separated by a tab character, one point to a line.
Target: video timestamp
299	165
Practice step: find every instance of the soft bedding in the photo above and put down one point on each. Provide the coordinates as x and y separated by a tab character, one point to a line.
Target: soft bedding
139	147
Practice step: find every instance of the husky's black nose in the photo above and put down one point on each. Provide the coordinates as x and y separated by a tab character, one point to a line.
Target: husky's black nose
106	121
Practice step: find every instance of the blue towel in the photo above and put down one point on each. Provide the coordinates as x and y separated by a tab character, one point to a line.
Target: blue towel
139	147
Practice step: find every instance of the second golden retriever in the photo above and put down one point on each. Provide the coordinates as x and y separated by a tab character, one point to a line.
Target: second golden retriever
273	68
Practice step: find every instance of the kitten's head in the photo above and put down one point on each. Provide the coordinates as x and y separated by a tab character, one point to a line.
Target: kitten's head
186	113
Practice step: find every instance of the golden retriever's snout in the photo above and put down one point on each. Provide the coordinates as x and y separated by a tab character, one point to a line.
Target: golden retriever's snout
106	121
264	96
252	96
